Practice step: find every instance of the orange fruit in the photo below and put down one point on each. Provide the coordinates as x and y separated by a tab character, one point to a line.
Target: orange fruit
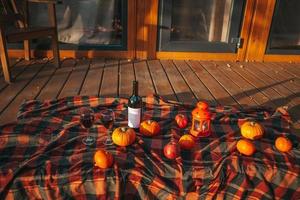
245	147
103	159
283	144
187	142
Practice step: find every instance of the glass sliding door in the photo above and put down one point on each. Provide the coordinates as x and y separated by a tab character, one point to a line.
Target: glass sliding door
200	26
87	24
285	31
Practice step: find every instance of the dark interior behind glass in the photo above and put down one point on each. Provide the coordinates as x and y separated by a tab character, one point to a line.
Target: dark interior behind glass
84	24
285	30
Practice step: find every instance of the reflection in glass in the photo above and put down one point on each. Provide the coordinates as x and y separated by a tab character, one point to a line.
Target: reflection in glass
285	33
202	20
201	127
204	126
197	126
85	22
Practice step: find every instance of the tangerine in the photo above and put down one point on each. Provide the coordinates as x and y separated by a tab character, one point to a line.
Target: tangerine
245	147
283	144
103	159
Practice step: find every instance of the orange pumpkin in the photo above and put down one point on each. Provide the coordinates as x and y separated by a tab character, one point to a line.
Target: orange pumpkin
149	128
245	147
103	159
187	142
252	130
283	144
123	136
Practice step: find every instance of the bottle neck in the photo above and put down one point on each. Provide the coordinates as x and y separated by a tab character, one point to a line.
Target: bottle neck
135	89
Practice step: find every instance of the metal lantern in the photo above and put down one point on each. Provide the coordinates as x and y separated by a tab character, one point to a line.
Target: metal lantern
201	120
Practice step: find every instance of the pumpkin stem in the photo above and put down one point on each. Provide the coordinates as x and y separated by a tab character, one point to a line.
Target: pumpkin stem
123	129
252	123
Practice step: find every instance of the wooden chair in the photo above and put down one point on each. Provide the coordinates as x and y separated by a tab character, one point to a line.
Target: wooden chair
18	15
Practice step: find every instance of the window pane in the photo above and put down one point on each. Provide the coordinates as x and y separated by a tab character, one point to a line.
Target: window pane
285	32
204	20
85	22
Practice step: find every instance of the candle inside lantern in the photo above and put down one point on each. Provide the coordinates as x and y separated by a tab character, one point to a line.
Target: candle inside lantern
201	120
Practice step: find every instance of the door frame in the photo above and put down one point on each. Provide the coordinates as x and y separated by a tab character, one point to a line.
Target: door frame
255	30
165	22
142	37
259	35
149	25
246	22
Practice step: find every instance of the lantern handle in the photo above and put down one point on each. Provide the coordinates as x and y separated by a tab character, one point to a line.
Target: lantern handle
201	105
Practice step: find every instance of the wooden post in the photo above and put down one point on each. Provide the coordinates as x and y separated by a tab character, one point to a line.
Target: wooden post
245	29
259	33
140	30
152	23
53	23
147	13
27	53
23	24
131	28
4	57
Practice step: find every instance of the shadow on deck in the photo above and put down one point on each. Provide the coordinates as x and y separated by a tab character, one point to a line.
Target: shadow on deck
219	83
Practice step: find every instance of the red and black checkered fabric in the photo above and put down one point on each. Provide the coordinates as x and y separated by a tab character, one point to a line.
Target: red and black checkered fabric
42	156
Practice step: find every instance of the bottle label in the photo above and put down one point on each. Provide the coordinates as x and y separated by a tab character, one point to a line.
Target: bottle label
134	117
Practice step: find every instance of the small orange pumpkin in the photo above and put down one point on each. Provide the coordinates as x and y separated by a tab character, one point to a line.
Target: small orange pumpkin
187	142
149	128
283	144
103	159
245	147
123	136
252	130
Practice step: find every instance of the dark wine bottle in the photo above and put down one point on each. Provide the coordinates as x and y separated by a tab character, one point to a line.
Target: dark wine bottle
135	107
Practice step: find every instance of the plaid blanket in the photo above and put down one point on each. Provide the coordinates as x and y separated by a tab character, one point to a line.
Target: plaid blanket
42	156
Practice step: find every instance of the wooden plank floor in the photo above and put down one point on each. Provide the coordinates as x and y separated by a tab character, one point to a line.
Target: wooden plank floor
219	83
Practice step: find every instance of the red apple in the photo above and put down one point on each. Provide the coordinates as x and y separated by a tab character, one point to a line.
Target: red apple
181	120
171	150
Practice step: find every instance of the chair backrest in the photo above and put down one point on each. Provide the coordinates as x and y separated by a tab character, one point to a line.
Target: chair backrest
13	12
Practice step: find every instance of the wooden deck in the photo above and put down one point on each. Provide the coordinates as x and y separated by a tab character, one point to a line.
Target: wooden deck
225	83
